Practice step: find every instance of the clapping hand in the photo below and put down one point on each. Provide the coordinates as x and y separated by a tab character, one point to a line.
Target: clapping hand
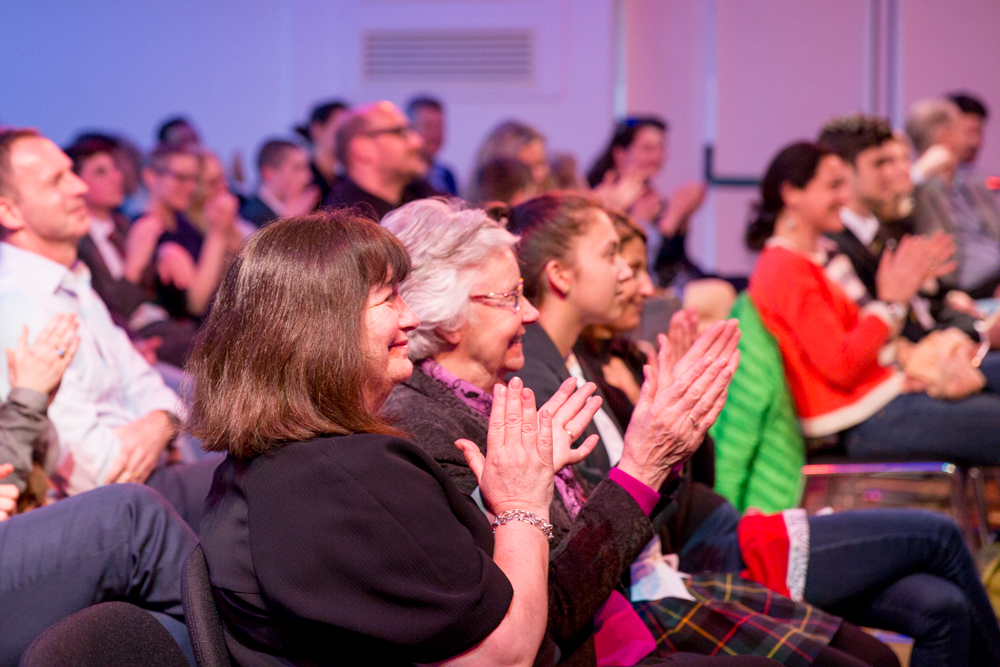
517	471
674	412
40	366
571	410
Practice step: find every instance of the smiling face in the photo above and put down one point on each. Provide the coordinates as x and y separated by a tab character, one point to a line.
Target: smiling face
175	182
597	274
871	179
386	321
818	204
637	288
44	206
645	154
105	182
491	336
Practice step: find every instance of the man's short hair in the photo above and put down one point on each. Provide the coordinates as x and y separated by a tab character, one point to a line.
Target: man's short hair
850	135
7	139
352	126
163	135
321	114
926	117
970	104
501	178
273	153
422	102
158	158
87	146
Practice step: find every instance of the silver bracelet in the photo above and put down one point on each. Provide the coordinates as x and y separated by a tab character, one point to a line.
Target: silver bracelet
520	515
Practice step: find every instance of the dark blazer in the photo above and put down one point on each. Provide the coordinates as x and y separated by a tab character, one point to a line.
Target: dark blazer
865	263
120	295
544	371
256	211
346	192
349	550
591	554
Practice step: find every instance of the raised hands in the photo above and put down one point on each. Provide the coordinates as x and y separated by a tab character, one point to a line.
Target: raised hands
674	412
571	410
40	366
517	471
902	270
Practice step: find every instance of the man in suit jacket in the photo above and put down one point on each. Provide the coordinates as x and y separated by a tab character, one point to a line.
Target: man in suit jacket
286	188
950	196
862	142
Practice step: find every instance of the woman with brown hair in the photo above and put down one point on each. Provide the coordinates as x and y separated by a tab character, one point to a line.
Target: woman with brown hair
329	538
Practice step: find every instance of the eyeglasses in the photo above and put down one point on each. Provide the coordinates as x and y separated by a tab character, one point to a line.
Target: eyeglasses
510	300
180	178
401	131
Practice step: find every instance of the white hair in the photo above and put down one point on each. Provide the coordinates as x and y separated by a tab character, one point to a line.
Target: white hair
448	244
926	118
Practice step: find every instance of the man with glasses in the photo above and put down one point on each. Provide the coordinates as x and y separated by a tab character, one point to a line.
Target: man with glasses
381	155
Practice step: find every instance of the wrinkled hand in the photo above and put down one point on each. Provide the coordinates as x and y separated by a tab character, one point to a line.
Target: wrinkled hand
38	366
681	205
673	414
8	494
517	471
303	203
142	443
901	270
571	410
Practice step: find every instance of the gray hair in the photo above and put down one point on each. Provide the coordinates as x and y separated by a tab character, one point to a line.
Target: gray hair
926	118
448	244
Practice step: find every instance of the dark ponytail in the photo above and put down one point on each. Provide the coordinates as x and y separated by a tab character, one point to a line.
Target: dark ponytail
795	164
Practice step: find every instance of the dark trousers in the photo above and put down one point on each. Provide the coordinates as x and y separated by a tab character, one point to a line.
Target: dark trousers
186	486
906	571
118	542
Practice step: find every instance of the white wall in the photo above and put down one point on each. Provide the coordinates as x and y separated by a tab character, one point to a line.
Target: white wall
248	69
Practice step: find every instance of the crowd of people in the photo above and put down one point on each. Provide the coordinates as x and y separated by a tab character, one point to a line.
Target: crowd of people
408	427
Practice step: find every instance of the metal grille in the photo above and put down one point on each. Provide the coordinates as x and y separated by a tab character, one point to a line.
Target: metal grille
450	55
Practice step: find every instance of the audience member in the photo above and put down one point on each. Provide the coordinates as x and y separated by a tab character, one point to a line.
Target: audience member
954	199
178	130
103	251
464	346
285	189
622	177
186	265
380	153
113	414
832	347
865	144
398	562
565	175
120	542
321	133
517	140
838	573
426	115
971	123
506	180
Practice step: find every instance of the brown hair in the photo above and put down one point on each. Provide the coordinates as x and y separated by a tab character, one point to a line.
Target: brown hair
627	228
8	137
547	226
281	357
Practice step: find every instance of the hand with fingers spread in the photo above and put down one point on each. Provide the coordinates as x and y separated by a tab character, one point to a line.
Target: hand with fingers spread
40	366
674	412
8	494
517	471
571	410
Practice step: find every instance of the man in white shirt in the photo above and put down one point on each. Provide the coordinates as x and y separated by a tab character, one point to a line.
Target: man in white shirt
113	414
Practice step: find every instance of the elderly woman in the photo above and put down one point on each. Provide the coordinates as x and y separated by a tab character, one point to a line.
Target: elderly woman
467	288
330	539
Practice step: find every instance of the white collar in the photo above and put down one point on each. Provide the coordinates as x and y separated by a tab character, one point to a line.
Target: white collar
863	227
825	248
26	266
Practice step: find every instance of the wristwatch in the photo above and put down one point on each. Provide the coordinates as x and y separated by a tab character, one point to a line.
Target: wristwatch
897	310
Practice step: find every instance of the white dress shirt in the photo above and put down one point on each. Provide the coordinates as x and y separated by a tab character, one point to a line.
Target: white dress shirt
863	227
100	233
107	385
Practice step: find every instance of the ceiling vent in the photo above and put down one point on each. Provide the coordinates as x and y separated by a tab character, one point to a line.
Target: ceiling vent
493	56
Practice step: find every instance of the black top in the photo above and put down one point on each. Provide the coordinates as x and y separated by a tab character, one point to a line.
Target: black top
346	192
187	236
319	180
350	549
256	211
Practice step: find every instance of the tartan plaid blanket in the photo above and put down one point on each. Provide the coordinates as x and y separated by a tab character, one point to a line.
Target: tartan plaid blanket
734	616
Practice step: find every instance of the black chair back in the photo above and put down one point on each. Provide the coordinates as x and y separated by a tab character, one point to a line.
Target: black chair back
201	614
109	634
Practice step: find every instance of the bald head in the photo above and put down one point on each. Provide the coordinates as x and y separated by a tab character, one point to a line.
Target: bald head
931	122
